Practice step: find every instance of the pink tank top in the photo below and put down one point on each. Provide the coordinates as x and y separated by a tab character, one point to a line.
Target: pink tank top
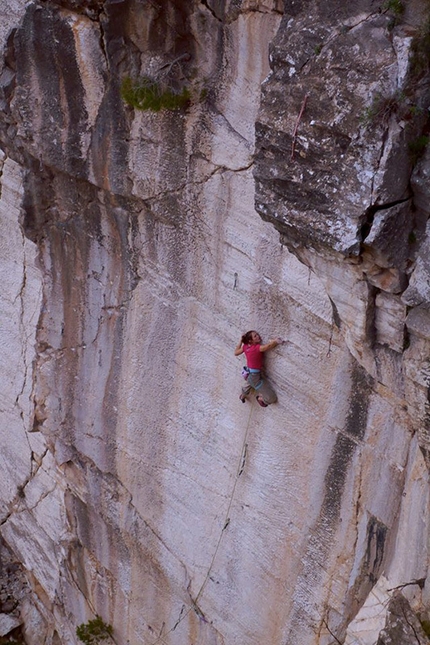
254	358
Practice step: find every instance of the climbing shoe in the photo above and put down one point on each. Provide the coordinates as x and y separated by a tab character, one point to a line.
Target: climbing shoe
261	402
242	397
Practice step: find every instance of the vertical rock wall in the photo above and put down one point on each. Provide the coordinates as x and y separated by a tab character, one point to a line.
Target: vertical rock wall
135	484
340	171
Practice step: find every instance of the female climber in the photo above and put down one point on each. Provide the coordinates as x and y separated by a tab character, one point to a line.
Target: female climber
250	345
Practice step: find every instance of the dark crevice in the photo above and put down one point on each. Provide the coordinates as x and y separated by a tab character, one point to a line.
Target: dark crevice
89	8
371	316
102	41
420	582
406	338
369	216
9	51
336	318
209	8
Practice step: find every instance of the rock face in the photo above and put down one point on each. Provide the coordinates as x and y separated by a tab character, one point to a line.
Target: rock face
135	485
340	172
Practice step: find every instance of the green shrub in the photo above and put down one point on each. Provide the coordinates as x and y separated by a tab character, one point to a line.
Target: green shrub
395	6
412	237
425	624
381	109
417	147
415	110
396	9
146	94
93	632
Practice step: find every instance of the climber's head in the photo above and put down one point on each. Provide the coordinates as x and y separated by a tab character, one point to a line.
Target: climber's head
251	338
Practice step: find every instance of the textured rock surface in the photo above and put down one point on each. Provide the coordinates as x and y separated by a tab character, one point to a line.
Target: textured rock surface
336	175
134	483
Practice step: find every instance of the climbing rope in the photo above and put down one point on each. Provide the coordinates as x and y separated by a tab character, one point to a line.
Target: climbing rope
227	515
194	606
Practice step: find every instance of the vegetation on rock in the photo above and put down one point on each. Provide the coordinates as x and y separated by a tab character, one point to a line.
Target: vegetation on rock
93	632
417	147
382	107
147	94
396	9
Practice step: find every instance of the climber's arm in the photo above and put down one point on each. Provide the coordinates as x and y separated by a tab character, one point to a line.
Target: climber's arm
270	345
239	349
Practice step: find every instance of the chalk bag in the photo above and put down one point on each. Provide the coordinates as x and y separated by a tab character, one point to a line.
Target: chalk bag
245	372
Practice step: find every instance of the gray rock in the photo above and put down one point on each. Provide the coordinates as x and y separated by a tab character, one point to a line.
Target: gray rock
402	626
8	623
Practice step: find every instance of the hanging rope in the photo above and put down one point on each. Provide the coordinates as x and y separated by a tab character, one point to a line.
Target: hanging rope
194	606
227	515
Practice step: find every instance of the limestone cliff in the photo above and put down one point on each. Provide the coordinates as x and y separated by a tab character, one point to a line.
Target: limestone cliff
134	484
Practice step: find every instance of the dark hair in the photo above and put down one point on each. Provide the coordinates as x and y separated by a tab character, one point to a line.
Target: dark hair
246	338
